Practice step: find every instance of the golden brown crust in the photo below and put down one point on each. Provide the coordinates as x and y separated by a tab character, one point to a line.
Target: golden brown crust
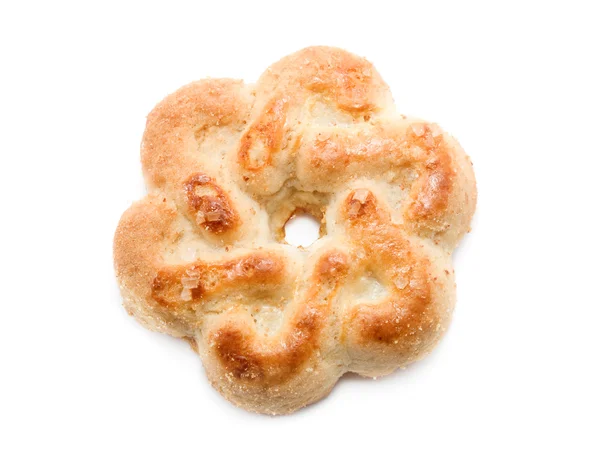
249	360
209	206
269	130
176	122
399	324
203	280
202	257
344	79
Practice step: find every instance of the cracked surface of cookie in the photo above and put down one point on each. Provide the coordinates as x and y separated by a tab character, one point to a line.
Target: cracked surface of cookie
202	257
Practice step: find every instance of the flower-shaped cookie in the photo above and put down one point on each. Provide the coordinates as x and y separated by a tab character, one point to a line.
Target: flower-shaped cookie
203	257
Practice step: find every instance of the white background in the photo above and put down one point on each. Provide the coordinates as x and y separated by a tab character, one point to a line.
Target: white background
517	83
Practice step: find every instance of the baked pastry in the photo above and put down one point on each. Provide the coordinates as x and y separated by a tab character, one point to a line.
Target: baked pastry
203	256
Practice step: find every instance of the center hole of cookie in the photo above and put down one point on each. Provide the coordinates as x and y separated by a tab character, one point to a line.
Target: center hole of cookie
302	230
